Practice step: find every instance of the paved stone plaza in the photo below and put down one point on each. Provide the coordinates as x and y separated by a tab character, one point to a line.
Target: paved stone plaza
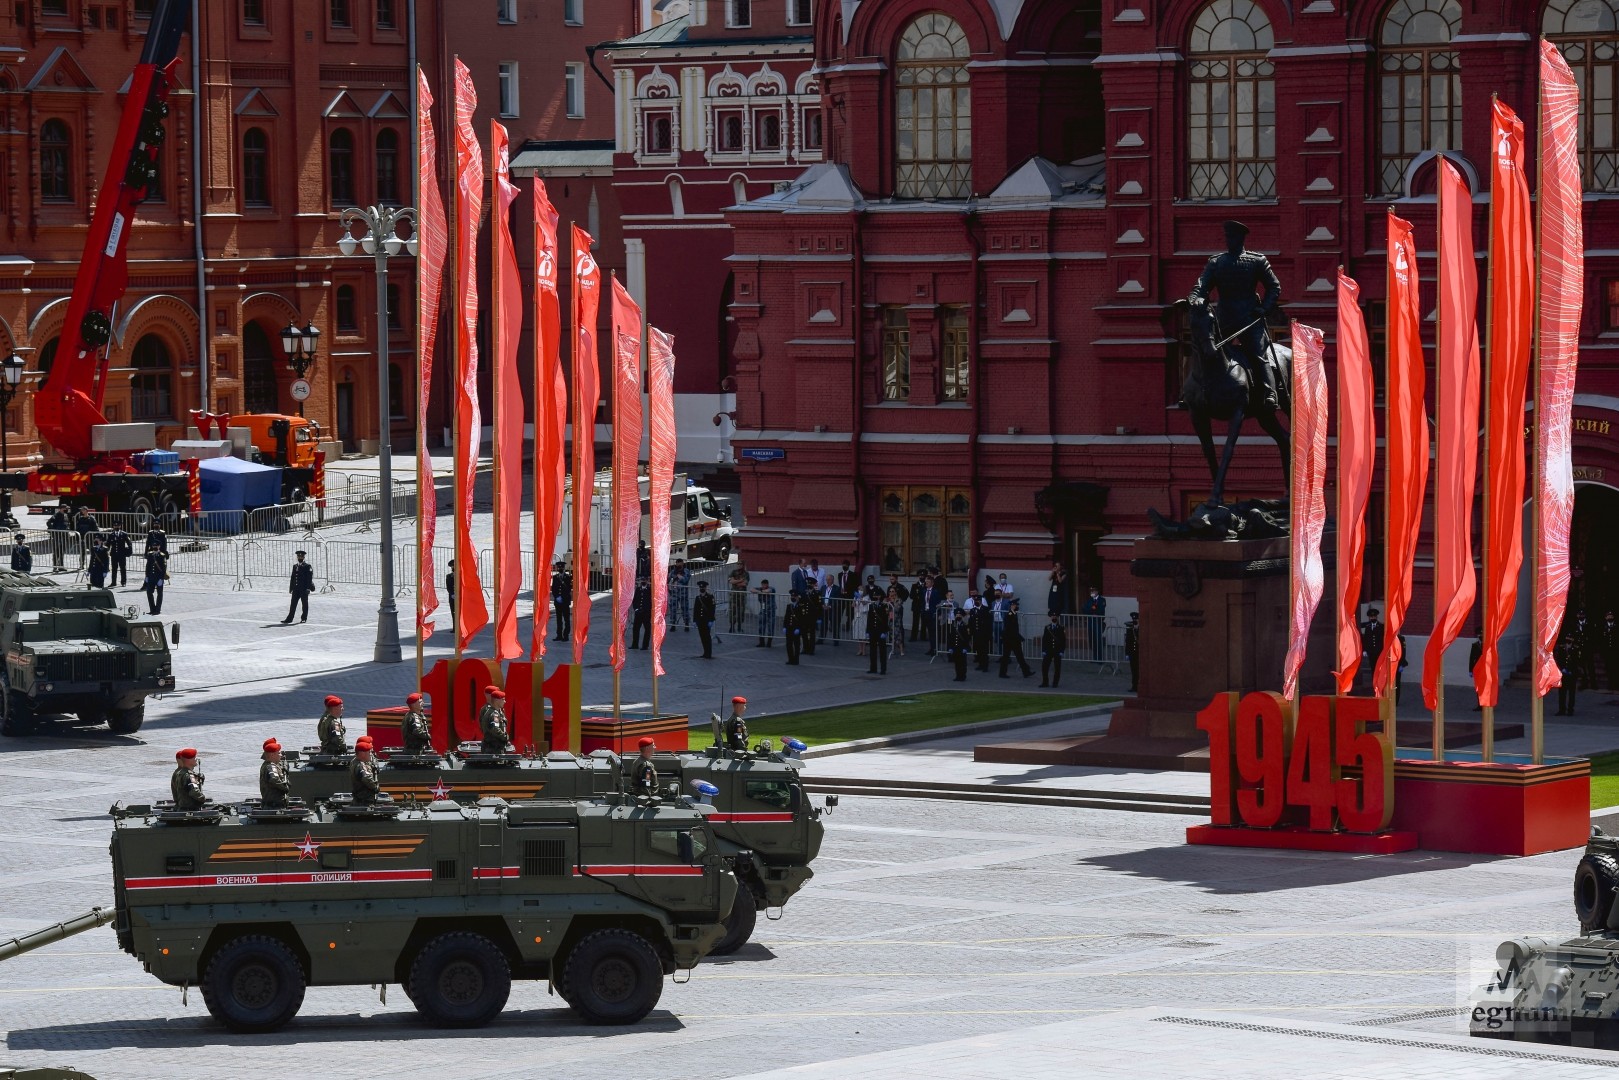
951	937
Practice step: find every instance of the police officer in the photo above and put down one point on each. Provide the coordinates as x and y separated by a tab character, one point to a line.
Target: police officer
789	627
274	787
562	599
810	609
1132	648
980	627
185	786
492	720
1012	642
22	557
301	585
1568	654
877	630
330	728
736	728
641	612
416	729
119	549
157	573
1371	640
959	641
60	528
100	562
156	537
364	783
1053	641
703	611
1234	274
644	774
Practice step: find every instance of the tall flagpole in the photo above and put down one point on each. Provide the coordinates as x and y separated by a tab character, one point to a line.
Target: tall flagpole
1385	705
1487	746
1439	440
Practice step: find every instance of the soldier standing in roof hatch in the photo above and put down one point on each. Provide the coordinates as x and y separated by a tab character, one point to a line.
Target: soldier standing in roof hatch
330	729
416	730
492	721
274	787
364	783
644	774
185	785
736	728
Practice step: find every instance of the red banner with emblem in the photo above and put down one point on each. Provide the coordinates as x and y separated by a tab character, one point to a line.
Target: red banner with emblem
1456	405
626	460
660	388
507	329
432	244
1406	472
1357	448
587	284
550	410
1562	290
471	610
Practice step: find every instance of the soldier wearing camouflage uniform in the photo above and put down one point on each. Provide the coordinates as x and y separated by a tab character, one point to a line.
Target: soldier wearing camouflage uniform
185	786
416	729
330	729
1234	274
363	780
736	728
644	774
274	787
492	721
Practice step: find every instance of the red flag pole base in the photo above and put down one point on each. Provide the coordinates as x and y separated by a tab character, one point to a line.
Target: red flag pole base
1383	843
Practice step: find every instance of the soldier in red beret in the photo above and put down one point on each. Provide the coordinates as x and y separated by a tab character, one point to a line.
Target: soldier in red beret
331	728
492	721
185	786
736	728
644	775
416	729
364	782
274	787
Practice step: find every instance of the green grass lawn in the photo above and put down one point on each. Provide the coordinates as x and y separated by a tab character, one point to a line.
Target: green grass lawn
1604	780
917	712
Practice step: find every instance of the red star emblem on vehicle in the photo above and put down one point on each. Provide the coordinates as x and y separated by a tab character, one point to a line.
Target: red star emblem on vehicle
440	790
307	849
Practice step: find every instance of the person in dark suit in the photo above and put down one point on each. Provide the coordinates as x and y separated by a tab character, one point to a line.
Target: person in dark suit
1132	648
981	625
1052	643
22	557
703	611
1566	654
119	549
789	627
562	600
301	585
449	588
643	560
919	605
1012	642
1371	640
958	640
99	562
877	630
1473	655
1057	594
641	612
157	574
937	592
85	524
1095	611
61	529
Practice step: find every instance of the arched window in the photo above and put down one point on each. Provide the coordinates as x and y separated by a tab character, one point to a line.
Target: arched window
767	131
388	167
1419	86
1232	96
1587	33
260	394
55	162
152	385
933	111
340	164
47	357
255	167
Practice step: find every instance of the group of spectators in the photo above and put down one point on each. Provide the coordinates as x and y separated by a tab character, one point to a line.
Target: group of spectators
103	554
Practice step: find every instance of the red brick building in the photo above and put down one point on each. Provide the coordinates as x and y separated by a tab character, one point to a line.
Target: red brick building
302	108
955	338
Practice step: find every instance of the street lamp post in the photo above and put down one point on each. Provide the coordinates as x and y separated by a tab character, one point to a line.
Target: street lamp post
300	347
11	368
382	240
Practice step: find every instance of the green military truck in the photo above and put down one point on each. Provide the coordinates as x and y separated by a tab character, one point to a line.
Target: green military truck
599	898
762	821
69	650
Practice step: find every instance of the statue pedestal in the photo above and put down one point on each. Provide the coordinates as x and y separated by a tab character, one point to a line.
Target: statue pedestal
1214	617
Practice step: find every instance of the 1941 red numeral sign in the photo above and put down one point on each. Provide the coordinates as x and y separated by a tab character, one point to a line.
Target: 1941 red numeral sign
1270	767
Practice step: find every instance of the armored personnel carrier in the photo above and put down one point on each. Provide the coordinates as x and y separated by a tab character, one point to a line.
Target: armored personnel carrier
762	821
69	650
1564	993
600	898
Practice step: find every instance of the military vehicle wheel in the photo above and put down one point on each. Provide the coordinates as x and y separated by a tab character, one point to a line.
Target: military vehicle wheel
16	717
254	984
126	721
613	977
739	924
459	981
1596	881
142	505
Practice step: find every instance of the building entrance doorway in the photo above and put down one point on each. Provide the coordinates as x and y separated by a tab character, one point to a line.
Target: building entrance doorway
1594	553
345	417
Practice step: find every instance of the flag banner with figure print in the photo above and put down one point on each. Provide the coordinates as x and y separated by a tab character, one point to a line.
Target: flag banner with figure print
660	387
1511	314
1562	285
1456	407
550	409
1308	497
472	613
1406	456
626	460
507	329
1357	448
432	246
587	284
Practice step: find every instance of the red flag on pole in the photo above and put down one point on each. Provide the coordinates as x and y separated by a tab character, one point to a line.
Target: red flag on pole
507	327
472	612
1309	494
626	459
1562	284
550	409
660	385
1357	433
587	284
1456	390
432	243
1406	475
1512	303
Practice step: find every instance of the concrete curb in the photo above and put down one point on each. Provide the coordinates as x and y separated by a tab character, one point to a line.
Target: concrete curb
929	734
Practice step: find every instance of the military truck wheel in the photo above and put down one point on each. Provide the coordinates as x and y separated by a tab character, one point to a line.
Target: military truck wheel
253	985
126	721
1596	881
459	980
16	717
739	924
613	977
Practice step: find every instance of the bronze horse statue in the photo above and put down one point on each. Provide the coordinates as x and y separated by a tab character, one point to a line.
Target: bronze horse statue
1218	387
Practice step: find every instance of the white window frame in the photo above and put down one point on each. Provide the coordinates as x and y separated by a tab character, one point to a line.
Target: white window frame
509	101
733	8
809	12
506	12
573	81
573	12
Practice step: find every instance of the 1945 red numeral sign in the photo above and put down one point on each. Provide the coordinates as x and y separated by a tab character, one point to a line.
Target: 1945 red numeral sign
1269	767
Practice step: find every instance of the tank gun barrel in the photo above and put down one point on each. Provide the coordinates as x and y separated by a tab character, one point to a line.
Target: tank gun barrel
49	935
